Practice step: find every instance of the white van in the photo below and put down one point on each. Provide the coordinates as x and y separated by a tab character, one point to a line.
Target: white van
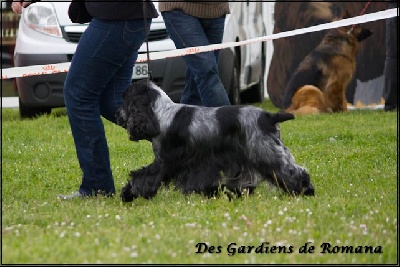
47	36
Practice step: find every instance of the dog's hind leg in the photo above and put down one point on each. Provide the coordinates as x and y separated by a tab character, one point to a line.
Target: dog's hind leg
144	182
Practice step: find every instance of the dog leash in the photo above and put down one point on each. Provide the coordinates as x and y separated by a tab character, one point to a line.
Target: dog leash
362	13
147	40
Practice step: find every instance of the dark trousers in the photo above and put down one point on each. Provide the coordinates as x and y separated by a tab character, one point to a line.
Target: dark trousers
390	73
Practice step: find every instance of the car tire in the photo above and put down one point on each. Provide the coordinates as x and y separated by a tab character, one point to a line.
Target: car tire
234	91
32	112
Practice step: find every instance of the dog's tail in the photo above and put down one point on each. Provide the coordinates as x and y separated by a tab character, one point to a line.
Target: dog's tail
281	117
308	100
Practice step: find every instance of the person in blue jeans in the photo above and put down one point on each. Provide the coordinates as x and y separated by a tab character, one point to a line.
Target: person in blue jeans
101	70
390	92
191	24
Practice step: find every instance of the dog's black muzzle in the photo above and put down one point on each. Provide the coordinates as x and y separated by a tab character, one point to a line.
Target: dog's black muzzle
307	187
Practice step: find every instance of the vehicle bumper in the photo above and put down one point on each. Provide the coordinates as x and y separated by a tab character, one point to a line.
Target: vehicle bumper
41	90
47	90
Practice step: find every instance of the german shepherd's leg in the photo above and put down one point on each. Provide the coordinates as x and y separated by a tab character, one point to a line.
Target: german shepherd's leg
344	101
335	97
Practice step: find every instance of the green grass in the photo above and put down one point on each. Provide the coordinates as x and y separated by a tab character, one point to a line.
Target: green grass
351	157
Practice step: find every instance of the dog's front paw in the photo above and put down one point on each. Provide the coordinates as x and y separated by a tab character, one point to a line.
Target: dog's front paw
126	193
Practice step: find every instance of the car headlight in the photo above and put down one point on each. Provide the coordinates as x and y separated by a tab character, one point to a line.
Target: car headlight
41	17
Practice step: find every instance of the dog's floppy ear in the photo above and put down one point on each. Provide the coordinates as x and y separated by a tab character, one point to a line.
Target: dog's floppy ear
141	125
136	115
121	117
346	14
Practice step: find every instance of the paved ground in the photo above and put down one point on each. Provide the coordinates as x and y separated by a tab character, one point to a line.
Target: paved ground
9	102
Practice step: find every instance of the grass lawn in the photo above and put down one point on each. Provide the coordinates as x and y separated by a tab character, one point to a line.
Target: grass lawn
351	158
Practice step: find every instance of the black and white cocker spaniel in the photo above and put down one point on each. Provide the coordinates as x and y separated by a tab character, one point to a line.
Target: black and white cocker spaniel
203	149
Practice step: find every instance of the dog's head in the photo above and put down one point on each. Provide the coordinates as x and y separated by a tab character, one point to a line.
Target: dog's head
306	185
358	32
347	38
136	112
352	34
297	181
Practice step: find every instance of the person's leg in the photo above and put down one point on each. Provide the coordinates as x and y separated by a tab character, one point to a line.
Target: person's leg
101	52
214	33
390	71
111	97
187	31
214	30
190	94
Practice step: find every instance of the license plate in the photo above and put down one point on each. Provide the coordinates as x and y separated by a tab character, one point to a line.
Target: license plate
140	71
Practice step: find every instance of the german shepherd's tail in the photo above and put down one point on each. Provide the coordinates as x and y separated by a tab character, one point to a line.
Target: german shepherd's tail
308	100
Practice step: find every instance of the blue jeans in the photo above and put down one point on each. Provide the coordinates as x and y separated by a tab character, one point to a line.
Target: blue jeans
390	89
203	85
100	71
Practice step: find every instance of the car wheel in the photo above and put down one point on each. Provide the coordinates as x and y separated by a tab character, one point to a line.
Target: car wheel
32	112
234	92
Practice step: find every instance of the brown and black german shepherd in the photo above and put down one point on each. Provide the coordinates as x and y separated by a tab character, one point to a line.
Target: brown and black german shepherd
320	81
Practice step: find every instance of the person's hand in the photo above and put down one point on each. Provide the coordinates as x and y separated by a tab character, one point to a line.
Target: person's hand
17	6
